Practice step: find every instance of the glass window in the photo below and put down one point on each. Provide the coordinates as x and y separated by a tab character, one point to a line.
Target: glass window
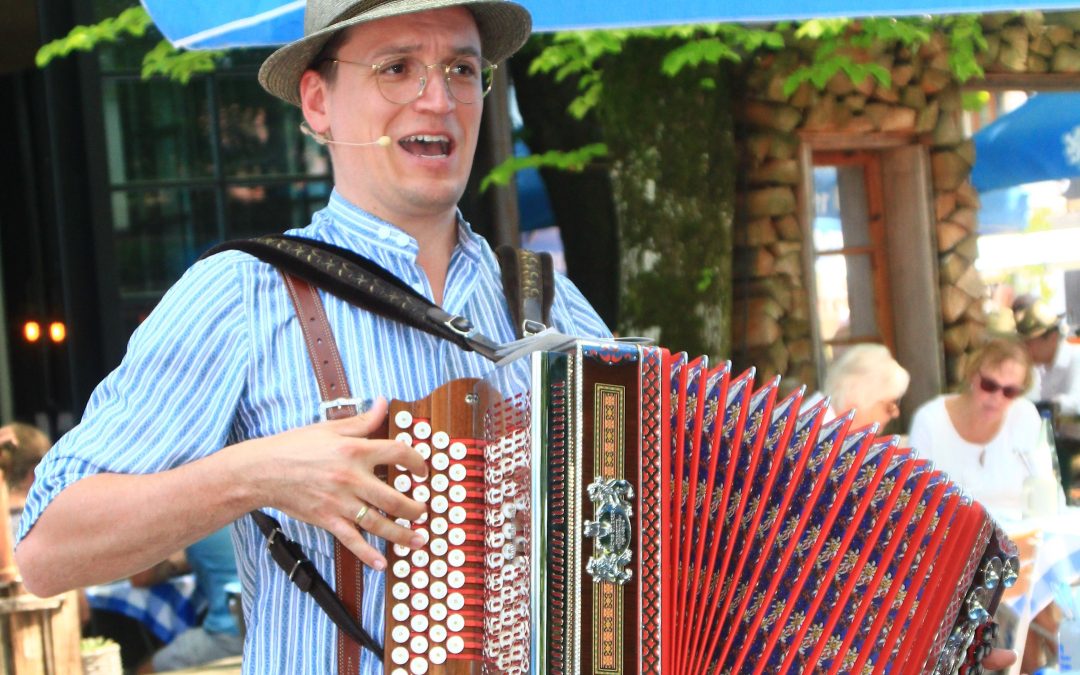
256	209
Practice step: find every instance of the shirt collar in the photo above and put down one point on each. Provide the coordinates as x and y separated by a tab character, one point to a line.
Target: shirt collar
361	231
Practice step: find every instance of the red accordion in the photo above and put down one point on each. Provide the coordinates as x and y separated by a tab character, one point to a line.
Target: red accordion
622	509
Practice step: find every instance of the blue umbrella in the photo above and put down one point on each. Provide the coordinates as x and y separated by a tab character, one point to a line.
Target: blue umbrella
1040	140
210	24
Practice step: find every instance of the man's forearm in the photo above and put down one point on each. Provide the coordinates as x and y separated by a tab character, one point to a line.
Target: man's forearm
109	526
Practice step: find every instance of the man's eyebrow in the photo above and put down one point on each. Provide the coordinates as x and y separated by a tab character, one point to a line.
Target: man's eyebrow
394	50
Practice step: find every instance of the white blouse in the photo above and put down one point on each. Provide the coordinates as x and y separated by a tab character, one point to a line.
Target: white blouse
994	472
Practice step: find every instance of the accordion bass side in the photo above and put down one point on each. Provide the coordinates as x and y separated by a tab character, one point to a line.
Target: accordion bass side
621	509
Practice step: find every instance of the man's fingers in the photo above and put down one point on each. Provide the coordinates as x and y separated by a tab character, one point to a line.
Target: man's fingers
381	526
390	501
364	424
345	532
998	659
401	455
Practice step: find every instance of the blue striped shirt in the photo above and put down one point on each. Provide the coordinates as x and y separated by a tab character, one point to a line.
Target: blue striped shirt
222	360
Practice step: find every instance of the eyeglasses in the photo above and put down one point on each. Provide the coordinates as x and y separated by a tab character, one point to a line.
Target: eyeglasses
992	386
402	79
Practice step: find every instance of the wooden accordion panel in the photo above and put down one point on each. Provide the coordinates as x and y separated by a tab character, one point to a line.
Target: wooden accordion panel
627	510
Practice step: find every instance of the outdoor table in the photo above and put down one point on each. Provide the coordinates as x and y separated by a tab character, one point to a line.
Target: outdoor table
166	609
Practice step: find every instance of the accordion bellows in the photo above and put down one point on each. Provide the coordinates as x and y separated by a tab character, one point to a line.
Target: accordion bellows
623	509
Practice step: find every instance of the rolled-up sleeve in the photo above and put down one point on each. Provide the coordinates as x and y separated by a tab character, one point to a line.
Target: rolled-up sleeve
173	397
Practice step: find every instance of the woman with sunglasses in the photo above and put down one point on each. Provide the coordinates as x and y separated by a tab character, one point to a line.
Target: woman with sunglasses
985	437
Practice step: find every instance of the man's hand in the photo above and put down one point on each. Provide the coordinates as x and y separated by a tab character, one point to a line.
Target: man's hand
998	659
324	474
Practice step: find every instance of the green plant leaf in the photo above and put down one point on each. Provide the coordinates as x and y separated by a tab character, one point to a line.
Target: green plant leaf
570	160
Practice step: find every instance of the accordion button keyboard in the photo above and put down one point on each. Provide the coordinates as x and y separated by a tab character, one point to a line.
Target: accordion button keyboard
440	440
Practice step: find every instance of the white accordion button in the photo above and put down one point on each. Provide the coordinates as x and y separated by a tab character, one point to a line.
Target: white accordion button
423	534
420	580
439	461
400	611
455	601
438	525
418	666
399	671
402	551
400	634
437	655
457	515
438	546
439	504
439	482
422	519
400	655
418	623
509	551
437	634
403	419
419	644
457	450
438	567
438	591
456	558
455	623
404	437
420	602
509	530
402	483
457	536
440	440
455	645
401	569
421	493
438	613
456	579
400	590
457	472
424	449
420	558
422	430
457	493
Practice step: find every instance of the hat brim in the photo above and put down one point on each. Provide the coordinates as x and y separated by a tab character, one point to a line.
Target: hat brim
504	26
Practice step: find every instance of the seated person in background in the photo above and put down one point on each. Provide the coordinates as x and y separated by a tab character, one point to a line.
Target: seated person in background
218	636
985	437
867	378
22	446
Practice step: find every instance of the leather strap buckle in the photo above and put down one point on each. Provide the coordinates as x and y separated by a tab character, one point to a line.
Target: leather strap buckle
360	404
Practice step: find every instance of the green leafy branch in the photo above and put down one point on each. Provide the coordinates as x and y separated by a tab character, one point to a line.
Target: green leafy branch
132	21
572	160
164	59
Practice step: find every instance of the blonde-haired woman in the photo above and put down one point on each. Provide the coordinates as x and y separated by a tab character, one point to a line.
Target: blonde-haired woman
985	437
867	378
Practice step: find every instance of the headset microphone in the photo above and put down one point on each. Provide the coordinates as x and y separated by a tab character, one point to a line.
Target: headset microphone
322	139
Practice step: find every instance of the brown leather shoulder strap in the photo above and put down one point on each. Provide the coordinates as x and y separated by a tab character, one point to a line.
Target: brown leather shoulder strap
336	404
529	284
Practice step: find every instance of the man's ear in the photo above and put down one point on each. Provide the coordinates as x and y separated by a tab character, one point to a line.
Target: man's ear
314	92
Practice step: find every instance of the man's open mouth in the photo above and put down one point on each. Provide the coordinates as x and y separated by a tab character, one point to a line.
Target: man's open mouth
423	145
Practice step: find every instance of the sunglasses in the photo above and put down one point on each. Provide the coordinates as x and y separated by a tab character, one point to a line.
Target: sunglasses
992	386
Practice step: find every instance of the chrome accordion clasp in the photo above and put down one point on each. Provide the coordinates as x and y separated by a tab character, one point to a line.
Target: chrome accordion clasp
611	530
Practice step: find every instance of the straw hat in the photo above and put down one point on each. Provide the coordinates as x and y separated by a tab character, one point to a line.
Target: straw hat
1037	320
504	26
